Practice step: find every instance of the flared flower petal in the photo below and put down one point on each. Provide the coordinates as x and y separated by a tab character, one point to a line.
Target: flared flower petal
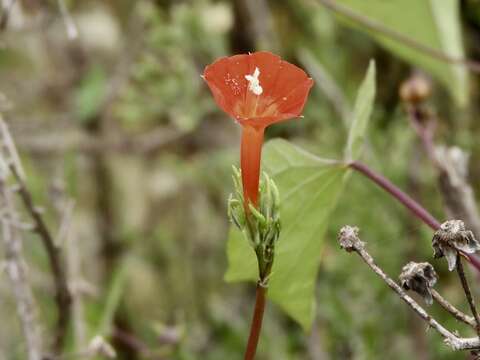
258	89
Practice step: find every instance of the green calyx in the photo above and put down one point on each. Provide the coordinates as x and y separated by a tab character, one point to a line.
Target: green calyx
260	225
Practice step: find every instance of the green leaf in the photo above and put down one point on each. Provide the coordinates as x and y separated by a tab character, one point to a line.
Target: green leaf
432	23
91	93
241	258
361	115
309	187
113	299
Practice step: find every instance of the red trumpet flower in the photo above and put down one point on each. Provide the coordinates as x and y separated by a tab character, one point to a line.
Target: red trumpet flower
257	90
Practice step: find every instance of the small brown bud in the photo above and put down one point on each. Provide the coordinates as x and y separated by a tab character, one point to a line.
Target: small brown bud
416	89
419	277
349	240
451	238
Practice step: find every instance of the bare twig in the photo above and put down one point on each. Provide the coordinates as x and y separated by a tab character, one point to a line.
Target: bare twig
349	240
457	314
62	297
468	293
458	194
17	272
452	166
378	27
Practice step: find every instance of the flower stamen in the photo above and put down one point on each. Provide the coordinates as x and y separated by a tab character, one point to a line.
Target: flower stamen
254	82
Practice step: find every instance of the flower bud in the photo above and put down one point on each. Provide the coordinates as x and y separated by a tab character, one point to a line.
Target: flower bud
260	225
416	89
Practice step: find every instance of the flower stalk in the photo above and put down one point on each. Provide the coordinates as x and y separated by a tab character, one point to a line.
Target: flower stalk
256	326
260	226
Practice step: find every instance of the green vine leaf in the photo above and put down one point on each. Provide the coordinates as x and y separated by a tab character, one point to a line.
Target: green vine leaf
361	115
432	23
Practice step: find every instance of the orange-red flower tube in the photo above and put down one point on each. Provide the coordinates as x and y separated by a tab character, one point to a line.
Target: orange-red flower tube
256	90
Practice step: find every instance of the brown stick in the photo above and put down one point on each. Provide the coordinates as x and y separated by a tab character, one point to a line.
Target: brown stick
62	296
17	271
453	310
350	241
468	293
257	320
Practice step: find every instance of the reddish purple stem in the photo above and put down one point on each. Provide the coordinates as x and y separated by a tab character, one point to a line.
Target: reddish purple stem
406	200
418	210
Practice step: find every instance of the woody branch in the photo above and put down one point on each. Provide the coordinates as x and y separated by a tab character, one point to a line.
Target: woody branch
17	272
62	296
350	241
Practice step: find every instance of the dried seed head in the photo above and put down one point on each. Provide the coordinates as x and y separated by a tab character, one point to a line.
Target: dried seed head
451	238
419	277
415	89
349	240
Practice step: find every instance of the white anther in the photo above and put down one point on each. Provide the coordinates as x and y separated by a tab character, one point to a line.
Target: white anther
254	82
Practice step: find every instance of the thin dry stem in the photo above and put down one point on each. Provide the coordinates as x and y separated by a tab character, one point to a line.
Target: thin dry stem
350	242
468	293
452	166
457	314
16	269
62	296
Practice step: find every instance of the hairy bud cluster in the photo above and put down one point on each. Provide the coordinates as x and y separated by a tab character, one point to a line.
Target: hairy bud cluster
260	225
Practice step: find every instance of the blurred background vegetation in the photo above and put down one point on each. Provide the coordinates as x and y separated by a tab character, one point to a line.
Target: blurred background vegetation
118	121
